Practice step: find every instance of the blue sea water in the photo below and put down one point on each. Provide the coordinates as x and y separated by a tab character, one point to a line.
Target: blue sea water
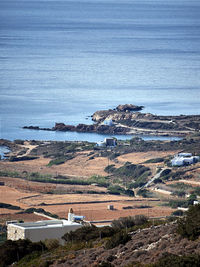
3	151
62	60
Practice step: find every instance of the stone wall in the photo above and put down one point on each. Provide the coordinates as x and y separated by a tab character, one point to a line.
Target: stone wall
15	233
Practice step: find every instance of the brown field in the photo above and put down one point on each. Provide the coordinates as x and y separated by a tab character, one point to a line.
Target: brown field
99	211
80	166
25	217
29	186
140	157
62	203
33	194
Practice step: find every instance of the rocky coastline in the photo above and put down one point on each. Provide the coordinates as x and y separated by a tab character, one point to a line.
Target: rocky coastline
126	119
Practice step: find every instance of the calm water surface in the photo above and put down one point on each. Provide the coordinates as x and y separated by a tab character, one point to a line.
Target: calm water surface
63	60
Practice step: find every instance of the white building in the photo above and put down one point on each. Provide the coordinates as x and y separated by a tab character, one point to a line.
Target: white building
108	122
184	159
41	230
111	142
184	155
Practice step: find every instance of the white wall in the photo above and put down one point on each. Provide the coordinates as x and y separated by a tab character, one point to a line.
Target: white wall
39	234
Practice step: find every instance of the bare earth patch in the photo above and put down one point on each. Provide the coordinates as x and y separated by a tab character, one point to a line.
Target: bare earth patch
140	157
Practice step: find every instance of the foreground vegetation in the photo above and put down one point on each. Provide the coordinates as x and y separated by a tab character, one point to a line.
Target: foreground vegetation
91	238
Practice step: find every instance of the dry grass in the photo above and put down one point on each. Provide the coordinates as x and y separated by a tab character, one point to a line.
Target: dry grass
99	211
16	189
140	157
80	166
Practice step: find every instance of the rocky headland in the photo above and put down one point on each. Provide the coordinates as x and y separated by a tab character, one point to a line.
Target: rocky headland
126	119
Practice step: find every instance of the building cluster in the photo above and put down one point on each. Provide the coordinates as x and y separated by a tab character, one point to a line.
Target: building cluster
182	159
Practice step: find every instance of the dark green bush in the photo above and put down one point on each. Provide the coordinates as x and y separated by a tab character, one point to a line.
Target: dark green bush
88	233
9	206
156	160
165	172
110	168
143	192
56	162
128	222
170	260
178	213
39	210
117	239
189	226
179	193
178	203
12	251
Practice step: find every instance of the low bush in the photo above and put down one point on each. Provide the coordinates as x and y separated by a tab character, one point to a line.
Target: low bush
117	239
170	260
179	193
177	213
100	180
189	226
110	168
56	162
12	251
40	210
9	206
51	243
128	222
143	192
89	233
165	173
156	160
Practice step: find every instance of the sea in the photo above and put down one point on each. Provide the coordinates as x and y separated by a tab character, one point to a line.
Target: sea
62	60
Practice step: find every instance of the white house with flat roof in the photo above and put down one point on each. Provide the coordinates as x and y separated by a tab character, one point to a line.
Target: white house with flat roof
184	159
41	230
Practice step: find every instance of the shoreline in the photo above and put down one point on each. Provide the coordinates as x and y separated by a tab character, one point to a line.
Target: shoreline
125	121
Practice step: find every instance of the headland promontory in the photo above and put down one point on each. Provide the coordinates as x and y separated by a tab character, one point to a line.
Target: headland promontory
127	119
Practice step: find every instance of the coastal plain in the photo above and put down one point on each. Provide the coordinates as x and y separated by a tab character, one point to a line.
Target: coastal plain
28	180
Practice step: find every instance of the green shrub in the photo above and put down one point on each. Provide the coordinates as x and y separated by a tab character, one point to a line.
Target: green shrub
110	168
179	193
9	206
12	251
178	213
143	192
165	172
178	203
189	226
117	239
156	160
88	233
56	162
51	243
128	222
170	260
100	180
9	174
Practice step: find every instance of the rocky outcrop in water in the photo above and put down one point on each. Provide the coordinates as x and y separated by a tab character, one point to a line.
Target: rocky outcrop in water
129	107
84	128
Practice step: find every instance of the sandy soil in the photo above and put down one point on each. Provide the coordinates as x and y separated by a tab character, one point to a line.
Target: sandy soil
25	217
100	212
79	167
30	186
12	196
140	157
92	211
15	189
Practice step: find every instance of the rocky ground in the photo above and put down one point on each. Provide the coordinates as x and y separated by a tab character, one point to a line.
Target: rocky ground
145	246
